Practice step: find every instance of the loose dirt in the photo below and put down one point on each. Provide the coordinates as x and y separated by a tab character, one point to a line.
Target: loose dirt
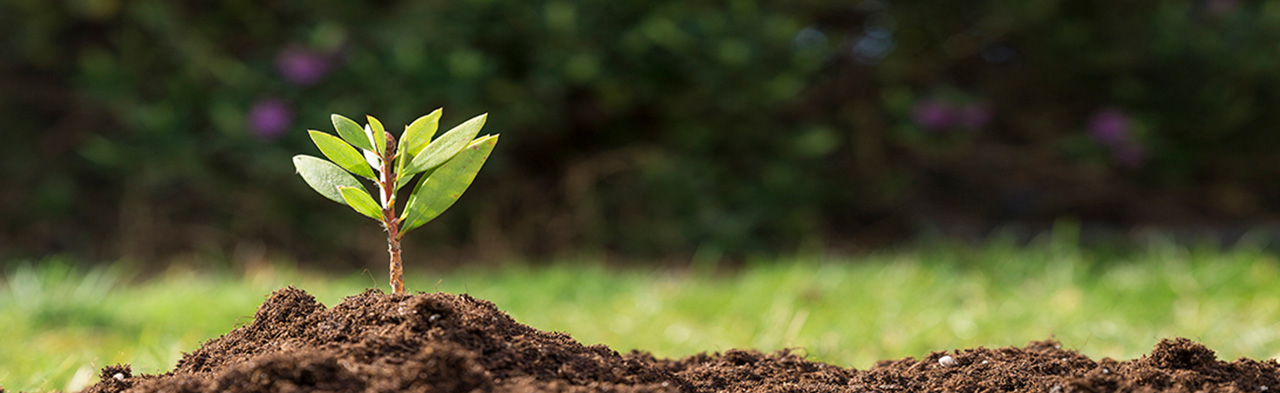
374	342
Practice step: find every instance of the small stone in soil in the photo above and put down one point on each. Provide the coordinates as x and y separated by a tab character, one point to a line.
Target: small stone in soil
947	361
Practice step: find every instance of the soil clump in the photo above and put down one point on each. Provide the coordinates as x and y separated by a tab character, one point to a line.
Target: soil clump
375	342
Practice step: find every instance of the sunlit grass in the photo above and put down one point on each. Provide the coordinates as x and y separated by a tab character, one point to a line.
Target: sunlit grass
60	324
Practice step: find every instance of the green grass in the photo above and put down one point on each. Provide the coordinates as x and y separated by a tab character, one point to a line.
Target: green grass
59	324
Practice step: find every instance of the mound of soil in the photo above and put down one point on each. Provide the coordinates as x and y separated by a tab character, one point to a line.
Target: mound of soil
439	342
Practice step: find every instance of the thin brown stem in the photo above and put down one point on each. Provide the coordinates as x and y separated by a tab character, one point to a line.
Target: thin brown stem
387	184
397	270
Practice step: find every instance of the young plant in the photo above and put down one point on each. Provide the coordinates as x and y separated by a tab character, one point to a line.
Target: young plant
448	164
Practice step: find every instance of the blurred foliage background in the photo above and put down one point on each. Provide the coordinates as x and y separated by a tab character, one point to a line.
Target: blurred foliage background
146	129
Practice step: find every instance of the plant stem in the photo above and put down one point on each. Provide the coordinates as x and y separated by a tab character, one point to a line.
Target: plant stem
389	219
397	271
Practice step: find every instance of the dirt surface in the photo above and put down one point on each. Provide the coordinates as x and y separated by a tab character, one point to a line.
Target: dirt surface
438	342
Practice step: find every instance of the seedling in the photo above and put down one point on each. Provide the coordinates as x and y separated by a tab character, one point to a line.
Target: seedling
447	164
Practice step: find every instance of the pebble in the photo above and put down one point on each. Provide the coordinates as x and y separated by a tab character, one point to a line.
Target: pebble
118	376
947	360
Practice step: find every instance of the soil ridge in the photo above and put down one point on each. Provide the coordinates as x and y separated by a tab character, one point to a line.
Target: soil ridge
376	342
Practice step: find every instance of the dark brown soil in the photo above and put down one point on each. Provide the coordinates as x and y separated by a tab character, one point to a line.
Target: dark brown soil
438	342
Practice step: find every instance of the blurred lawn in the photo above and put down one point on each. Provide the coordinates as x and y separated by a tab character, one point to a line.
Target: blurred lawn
61	324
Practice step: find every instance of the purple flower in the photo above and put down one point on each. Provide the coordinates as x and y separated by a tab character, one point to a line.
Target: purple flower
934	115
269	118
1109	127
302	66
975	116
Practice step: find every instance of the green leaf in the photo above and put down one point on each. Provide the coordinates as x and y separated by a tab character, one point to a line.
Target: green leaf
341	153
418	134
323	176
437	192
415	137
446	146
403	180
378	136
359	200
351	131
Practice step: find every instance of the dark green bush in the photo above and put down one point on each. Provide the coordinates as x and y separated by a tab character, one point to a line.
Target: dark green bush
151	127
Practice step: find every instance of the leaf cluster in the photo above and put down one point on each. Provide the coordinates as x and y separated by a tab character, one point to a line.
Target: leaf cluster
447	165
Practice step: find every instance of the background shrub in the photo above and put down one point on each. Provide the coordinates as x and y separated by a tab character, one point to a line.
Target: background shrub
150	128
